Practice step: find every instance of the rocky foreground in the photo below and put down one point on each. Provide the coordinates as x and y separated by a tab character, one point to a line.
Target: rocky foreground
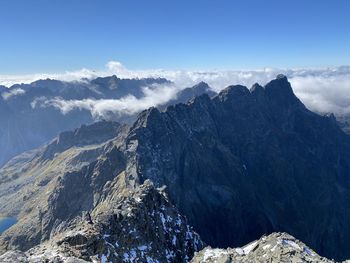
129	226
275	248
80	245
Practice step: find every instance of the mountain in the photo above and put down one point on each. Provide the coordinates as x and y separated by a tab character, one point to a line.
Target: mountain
252	161
236	166
73	201
28	119
275	248
190	93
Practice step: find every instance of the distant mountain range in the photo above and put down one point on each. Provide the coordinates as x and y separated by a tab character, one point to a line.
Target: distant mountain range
232	167
27	121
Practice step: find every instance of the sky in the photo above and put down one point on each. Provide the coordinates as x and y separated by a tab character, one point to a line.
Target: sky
41	36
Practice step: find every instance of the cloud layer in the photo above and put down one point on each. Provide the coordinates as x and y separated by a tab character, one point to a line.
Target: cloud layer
322	90
129	105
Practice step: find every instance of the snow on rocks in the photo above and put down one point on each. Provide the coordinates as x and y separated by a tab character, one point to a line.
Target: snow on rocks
275	248
130	225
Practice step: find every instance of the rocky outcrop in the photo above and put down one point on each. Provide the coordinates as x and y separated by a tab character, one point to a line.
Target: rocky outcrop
275	248
137	225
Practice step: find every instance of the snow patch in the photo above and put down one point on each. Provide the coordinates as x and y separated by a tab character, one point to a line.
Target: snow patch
213	254
248	248
266	246
291	243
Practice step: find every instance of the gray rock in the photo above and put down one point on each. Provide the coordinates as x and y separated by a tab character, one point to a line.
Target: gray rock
129	225
275	248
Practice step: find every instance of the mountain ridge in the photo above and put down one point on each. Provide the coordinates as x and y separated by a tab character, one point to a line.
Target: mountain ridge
31	113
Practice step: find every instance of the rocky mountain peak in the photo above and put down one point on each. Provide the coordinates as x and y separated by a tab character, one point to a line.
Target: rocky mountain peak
47	83
104	80
87	134
201	86
281	76
234	90
277	92
256	88
280	92
274	248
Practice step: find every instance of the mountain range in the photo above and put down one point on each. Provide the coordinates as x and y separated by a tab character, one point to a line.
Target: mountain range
220	170
30	116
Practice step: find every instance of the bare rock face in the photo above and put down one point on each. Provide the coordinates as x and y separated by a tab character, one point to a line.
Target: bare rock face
275	248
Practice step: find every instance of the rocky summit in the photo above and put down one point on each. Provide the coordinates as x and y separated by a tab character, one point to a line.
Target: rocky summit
128	226
232	168
275	248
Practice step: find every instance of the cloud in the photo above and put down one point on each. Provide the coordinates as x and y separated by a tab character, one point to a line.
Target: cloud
129	105
322	90
12	92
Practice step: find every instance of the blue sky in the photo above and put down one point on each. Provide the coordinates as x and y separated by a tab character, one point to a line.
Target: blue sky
57	35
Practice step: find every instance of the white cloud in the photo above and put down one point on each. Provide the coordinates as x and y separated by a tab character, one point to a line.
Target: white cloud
12	92
153	96
323	90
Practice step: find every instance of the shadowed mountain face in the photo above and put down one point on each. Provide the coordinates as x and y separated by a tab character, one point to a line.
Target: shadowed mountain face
249	162
26	124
